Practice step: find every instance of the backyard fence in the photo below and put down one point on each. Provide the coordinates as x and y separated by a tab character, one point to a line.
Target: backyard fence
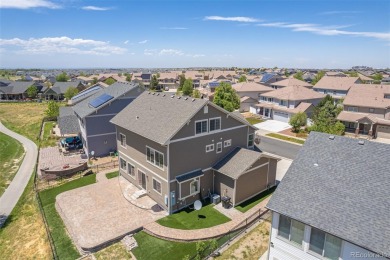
104	166
211	248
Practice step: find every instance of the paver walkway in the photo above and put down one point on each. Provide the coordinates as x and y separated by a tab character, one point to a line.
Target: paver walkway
12	194
157	230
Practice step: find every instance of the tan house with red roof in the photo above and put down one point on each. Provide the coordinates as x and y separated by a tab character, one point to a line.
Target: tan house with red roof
282	103
337	87
367	110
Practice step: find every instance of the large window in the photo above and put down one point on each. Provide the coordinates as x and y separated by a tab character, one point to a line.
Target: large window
250	140
156	186
155	157
372	110
324	244
291	230
130	170
201	127
194	187
219	147
122	138
123	163
353	109
283	102
215	124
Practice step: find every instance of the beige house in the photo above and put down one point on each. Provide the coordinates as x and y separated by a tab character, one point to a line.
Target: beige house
337	87
290	82
246	103
367	110
168	80
250	89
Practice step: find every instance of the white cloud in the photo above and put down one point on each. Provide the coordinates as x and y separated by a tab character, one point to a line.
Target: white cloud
196	55
95	8
241	19
27	4
173	28
171	52
143	42
326	30
126	42
62	45
150	52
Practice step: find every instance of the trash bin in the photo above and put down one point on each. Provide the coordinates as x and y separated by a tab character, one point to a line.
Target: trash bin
225	202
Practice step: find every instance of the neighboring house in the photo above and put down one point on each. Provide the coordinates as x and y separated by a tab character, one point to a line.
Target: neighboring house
250	89
246	103
365	79
168	79
386	80
367	110
269	78
57	91
213	84
335	74
282	104
94	113
16	90
223	75
333	202
337	87
289	83
308	76
179	157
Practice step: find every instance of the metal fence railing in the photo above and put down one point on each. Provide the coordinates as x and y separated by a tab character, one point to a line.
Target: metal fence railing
104	166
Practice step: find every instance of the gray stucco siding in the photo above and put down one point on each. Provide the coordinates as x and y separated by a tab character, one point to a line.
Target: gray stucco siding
136	149
189	129
191	154
102	145
223	185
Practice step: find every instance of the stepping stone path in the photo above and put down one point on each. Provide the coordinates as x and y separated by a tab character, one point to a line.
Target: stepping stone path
129	242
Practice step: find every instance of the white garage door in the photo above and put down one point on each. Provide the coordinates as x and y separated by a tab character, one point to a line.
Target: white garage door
281	116
383	131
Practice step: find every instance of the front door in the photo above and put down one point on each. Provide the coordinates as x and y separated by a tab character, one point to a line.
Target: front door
142	179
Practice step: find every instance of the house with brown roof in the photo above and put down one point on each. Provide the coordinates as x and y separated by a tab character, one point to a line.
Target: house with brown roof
335	74
251	89
282	104
367	110
168	80
337	87
290	82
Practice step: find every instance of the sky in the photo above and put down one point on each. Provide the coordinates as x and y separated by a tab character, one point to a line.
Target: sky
213	33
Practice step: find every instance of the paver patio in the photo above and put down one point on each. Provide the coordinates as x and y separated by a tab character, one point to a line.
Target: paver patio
99	213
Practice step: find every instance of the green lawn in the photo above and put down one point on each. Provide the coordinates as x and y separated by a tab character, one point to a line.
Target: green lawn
11	155
62	242
286	138
152	248
253	120
247	205
112	175
48	139
188	219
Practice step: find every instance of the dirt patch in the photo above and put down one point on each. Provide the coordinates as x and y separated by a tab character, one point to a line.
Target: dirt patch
291	133
251	246
115	251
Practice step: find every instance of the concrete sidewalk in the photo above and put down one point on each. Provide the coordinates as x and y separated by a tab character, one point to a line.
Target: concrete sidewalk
12	194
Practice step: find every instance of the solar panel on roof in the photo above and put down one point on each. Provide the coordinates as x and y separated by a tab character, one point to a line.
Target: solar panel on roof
266	77
100	100
85	92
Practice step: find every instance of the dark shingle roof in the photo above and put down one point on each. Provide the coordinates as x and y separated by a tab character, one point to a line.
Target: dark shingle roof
189	175
340	187
237	162
67	121
116	90
61	87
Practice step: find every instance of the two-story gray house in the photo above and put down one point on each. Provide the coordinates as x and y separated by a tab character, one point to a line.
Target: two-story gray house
180	149
337	87
93	116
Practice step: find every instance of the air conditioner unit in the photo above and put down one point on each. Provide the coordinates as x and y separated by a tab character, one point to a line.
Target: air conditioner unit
216	199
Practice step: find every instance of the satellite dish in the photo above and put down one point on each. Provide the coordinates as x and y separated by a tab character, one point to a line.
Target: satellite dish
198	205
92	153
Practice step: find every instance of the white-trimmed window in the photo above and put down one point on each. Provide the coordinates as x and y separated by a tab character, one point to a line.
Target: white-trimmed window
122	139
201	126
291	230
123	164
219	147
324	244
250	140
194	187
227	143
372	110
156	185
270	99
209	148
155	157
215	124
283	103
131	170
353	109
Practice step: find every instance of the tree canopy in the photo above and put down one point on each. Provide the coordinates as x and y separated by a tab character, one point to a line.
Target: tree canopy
187	88
182	78
242	78
53	109
317	78
71	92
299	75
154	82
63	77
226	97
94	80
110	81
325	117
32	91
128	77
196	93
297	121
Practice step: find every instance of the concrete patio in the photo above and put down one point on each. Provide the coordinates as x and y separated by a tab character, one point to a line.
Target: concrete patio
98	213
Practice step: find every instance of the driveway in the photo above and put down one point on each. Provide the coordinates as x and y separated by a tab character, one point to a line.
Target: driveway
98	213
12	194
272	126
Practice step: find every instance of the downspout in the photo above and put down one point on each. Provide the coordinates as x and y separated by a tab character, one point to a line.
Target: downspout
169	183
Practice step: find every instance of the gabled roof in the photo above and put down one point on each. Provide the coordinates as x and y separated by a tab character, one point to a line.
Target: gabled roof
18	87
67	121
335	83
158	116
368	95
342	193
251	87
61	87
115	90
355	116
294	93
248	99
292	82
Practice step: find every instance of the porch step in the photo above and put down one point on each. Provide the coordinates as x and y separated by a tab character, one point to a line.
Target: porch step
138	194
129	242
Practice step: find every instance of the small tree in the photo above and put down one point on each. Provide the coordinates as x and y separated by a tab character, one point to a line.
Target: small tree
32	91
317	78
200	250
298	75
377	77
120	74
128	77
297	121
182	78
53	109
110	81
71	92
188	87
94	80
154	82
62	77
226	97
196	93
242	78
